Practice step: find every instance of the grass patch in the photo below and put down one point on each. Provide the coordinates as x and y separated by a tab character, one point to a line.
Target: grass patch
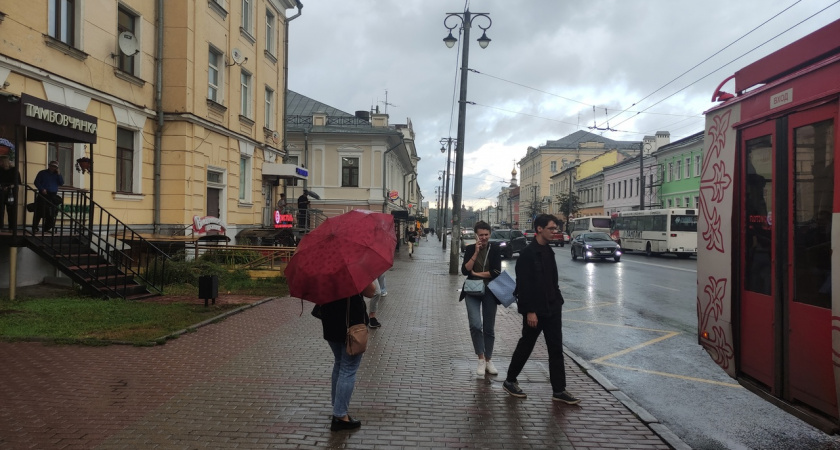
88	320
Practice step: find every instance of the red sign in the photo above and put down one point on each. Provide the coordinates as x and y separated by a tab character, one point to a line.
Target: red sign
283	220
393	195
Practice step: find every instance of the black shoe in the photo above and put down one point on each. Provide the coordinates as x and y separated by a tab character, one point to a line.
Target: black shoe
373	323
512	388
565	397
339	425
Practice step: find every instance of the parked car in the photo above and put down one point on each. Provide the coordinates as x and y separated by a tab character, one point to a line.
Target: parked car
567	238
529	235
595	245
467	238
509	241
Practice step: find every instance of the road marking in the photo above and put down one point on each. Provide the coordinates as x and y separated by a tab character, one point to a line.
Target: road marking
619	325
671	375
589	307
664	287
669	335
662	266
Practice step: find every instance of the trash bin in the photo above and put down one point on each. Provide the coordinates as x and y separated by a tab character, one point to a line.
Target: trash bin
208	288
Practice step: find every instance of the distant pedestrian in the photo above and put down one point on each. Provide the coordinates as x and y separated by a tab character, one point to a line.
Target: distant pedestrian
374	301
482	261
541	305
281	204
46	203
412	239
9	182
334	318
303	210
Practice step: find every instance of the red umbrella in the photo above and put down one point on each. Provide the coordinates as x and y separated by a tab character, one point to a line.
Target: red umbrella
342	256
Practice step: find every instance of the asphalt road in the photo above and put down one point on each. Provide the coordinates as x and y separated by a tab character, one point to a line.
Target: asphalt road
635	321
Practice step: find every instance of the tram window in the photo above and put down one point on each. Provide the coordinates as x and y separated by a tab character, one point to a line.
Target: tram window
758	225
814	198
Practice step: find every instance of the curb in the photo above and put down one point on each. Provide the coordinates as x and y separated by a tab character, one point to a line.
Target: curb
647	418
163	339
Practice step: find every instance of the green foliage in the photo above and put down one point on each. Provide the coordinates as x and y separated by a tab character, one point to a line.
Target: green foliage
92	321
569	204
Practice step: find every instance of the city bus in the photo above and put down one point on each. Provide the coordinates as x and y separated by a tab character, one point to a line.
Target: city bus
768	224
589	224
656	231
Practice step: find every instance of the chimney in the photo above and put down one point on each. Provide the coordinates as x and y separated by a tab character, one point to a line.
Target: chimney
364	115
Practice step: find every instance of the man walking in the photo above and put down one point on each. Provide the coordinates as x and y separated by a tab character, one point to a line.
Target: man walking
46	204
541	305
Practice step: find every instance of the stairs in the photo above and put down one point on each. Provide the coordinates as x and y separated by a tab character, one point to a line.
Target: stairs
98	252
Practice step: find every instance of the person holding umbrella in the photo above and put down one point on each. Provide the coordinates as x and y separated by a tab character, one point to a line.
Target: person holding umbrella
303	208
334	267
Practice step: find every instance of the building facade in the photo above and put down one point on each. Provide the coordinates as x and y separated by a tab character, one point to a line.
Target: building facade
679	169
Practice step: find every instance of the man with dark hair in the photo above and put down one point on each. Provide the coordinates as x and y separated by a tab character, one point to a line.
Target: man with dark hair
541	305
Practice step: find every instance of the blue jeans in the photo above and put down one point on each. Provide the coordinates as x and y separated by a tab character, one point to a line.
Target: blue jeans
374	301
343	378
483	336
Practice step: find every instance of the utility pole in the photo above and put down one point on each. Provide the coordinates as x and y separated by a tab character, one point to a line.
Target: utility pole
448	143
641	176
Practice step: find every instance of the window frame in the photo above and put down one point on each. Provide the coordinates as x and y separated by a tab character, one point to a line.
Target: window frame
245	178
270	33
269	109
124	60
119	172
214	53
63	21
698	163
687	168
247	22
245	88
348	156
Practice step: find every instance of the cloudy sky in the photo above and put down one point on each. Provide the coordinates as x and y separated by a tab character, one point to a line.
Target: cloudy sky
549	63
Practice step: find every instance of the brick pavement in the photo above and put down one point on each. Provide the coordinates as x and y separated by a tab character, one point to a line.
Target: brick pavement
260	379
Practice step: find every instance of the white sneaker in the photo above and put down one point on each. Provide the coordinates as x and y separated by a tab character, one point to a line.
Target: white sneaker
384	293
491	369
482	367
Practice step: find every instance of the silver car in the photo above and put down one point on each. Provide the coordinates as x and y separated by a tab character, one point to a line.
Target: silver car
467	238
595	245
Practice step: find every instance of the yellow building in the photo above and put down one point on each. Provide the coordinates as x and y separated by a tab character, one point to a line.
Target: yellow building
183	100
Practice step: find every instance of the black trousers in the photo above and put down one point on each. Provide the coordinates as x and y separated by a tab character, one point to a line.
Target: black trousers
5	206
552	328
46	208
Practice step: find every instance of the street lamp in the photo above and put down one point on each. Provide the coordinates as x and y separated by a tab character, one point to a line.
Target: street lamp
446	146
466	19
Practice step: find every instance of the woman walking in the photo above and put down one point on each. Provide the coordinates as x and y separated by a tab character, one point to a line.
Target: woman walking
482	261
334	319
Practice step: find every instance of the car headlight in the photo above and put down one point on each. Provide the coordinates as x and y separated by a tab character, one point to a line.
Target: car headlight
587	246
502	244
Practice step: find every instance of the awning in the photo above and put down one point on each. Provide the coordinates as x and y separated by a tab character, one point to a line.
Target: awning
47	121
285	171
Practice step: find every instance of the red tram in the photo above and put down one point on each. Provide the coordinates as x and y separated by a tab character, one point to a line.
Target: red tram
769	219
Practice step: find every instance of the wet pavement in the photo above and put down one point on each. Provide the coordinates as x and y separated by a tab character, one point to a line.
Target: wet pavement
260	379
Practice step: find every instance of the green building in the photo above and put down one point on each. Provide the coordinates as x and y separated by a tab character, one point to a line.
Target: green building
680	164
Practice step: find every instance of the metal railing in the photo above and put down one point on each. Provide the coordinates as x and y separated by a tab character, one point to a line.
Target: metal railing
97	249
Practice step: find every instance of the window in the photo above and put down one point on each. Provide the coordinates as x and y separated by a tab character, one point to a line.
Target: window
698	162
62	21
63	153
679	205
349	172
269	108
696	201
670	172
125	160
678	170
214	76
687	168
270	34
126	21
245	93
247	16
687	202
244	179
553	166
670	203
292	159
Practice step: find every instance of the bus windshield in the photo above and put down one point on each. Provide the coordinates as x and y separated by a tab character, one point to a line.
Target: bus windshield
683	223
601	222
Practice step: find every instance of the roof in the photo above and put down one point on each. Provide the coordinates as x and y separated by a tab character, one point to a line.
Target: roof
696	138
571	141
300	108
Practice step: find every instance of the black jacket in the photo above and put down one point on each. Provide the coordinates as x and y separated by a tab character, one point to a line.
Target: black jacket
494	263
537	283
334	317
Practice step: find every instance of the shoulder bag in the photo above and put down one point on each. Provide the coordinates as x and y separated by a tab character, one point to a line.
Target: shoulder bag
357	335
476	287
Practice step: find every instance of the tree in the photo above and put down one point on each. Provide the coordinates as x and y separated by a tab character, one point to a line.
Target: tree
569	204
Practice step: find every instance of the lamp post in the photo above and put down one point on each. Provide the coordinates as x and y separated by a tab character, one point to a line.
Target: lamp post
446	145
466	19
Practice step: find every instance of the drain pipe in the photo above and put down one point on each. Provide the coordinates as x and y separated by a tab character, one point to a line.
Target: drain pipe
286	84
159	128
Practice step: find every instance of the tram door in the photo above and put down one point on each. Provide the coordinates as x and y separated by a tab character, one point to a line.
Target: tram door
811	144
756	325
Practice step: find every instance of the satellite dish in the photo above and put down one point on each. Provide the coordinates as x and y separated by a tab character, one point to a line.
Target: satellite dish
128	43
237	56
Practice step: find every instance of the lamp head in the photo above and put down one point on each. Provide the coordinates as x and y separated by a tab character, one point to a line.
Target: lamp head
450	40
483	41
442	149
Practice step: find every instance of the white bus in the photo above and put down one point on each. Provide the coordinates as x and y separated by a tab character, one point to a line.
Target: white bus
589	224
656	231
